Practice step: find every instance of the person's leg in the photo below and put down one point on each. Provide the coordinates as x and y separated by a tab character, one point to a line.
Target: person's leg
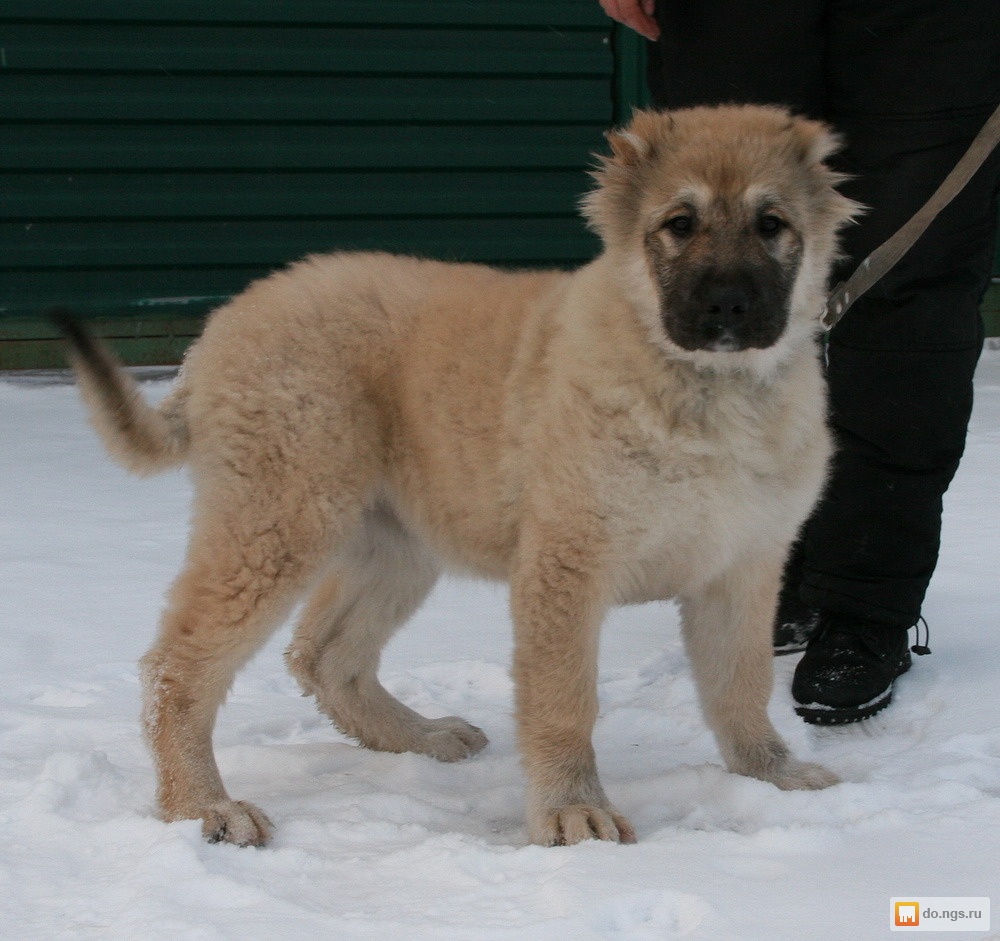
910	83
900	369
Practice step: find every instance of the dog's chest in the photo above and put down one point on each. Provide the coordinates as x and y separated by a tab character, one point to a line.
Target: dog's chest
688	491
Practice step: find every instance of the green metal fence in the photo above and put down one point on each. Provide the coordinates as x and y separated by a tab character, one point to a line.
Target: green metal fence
159	155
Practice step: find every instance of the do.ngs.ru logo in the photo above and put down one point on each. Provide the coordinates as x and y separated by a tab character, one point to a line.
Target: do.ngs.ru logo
939	913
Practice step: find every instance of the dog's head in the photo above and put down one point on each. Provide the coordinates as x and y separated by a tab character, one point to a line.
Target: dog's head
722	225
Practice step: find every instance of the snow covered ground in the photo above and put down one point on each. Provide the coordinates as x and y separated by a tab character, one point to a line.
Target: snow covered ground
376	846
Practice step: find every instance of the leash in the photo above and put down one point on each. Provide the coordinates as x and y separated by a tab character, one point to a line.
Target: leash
884	258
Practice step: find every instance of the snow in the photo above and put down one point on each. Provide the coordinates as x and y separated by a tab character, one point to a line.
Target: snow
378	846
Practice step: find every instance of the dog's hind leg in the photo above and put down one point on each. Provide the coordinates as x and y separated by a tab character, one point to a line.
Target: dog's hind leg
727	630
381	580
257	543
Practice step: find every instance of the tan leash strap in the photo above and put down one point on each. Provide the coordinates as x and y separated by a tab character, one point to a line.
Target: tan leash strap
884	258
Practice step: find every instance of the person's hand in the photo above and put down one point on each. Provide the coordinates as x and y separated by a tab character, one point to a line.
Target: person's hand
636	14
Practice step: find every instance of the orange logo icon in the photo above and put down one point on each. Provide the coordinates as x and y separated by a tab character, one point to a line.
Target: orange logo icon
907	914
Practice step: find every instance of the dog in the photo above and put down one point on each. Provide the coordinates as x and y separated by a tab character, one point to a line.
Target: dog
651	425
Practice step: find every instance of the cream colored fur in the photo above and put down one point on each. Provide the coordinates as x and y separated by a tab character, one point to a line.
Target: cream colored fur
358	422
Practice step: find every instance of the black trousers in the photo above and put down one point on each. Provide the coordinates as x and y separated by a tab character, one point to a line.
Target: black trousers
908	83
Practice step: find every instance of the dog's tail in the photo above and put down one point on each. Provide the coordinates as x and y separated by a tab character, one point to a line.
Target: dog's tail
144	439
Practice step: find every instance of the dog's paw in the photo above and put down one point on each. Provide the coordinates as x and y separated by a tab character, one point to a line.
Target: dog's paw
575	823
769	759
236	822
451	739
804	776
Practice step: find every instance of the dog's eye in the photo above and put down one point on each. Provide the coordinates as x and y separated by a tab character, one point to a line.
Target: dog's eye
680	225
769	225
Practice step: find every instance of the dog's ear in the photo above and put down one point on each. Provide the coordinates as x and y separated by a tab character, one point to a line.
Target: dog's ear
628	149
638	140
612	206
816	141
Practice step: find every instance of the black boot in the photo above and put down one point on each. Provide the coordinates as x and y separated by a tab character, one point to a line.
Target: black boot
795	622
848	669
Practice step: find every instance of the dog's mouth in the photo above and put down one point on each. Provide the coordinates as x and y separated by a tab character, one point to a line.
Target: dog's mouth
722	339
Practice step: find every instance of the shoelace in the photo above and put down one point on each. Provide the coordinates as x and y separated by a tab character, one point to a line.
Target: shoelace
921	650
874	644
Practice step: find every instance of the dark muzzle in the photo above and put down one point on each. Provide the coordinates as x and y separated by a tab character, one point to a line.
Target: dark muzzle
727	311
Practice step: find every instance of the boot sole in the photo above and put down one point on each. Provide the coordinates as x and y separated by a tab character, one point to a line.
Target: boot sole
818	714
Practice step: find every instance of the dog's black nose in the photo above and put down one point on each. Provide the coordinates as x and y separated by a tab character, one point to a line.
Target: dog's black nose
727	304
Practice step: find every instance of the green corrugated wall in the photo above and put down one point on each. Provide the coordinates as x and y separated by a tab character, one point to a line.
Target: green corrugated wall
158	155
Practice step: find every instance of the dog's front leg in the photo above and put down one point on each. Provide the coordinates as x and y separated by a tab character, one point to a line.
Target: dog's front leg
728	633
558	604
